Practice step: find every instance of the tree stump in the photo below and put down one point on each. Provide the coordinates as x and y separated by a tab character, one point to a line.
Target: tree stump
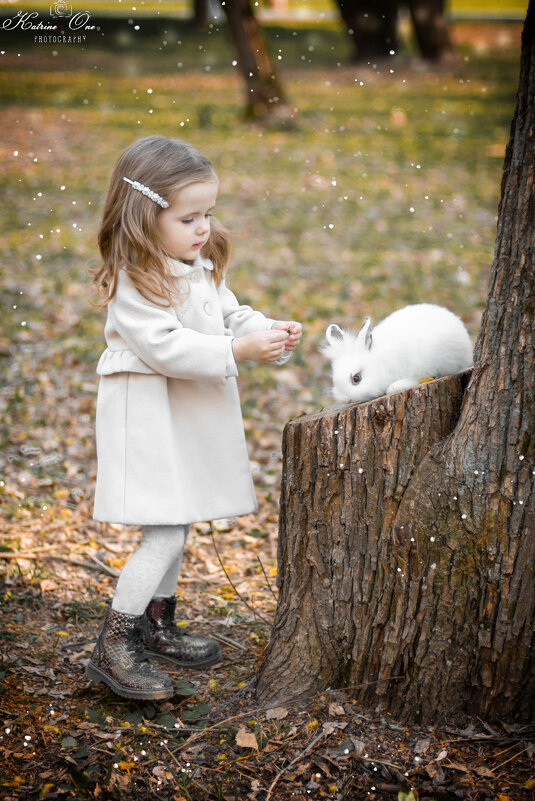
345	471
407	547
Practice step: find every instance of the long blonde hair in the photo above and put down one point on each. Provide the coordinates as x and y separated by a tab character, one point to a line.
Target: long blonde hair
128	237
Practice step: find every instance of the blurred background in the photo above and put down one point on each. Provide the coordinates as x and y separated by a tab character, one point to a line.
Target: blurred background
370	181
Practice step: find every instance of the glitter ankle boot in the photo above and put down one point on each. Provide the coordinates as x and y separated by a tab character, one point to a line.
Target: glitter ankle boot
164	640
120	661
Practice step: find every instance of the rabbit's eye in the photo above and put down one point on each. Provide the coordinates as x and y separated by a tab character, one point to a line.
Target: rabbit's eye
356	378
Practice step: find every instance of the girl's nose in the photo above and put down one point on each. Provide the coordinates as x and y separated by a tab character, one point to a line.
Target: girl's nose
203	226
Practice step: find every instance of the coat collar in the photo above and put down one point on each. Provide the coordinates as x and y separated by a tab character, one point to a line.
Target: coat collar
179	268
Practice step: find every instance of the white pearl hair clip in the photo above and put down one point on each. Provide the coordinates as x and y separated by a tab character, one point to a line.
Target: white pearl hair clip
147	191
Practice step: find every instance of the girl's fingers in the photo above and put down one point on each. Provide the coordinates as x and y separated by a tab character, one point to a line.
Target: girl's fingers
277	335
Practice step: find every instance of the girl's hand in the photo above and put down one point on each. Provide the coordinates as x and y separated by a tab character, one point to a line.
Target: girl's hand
293	329
260	346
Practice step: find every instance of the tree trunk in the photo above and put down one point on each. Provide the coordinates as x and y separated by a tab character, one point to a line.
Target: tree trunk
200	14
430	28
412	583
345	472
373	26
264	93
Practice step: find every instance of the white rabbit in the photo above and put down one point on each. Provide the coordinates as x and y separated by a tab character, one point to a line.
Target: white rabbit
412	343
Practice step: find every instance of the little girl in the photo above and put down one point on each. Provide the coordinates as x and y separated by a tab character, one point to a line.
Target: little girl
170	440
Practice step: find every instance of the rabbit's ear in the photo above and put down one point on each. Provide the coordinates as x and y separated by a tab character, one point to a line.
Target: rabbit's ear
334	334
365	333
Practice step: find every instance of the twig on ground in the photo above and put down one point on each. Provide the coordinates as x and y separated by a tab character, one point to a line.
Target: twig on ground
43	553
242	599
266	578
115	549
109	570
310	746
25	554
228	641
511	758
249	713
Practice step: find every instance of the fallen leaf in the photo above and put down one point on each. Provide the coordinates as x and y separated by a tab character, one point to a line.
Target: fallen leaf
47	585
126	765
485	772
358	745
336	709
68	742
277	713
333	725
412	795
246	739
457	766
422	746
435	773
162	773
222	525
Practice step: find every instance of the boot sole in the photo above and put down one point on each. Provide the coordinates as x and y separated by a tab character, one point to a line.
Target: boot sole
96	674
193	665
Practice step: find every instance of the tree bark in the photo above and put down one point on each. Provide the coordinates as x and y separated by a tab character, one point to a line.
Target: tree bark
200	14
430	28
345	472
264	92
412	583
373	26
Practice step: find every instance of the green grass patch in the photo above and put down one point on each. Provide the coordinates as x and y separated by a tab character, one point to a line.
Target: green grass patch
384	190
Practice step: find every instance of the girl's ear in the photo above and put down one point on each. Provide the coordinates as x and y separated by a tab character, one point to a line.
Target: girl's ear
365	333
334	334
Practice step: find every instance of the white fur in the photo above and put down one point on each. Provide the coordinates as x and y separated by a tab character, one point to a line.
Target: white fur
415	342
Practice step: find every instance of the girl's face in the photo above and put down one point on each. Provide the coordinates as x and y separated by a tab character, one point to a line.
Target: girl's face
185	226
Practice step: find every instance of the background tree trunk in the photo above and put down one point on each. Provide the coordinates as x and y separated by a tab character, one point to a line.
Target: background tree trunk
430	28
200	13
264	93
373	26
417	591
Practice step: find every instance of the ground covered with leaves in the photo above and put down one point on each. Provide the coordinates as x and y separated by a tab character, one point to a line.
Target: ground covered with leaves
382	190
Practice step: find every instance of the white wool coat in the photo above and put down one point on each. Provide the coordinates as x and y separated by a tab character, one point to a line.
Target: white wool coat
170	441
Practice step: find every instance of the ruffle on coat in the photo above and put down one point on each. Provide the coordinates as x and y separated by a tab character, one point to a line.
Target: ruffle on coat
170	441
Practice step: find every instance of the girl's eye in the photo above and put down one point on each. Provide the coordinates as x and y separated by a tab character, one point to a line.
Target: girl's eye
192	219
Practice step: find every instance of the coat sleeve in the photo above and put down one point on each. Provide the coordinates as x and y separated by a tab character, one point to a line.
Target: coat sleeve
240	320
157	337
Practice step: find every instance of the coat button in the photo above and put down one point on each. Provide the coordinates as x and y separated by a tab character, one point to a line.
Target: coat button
196	276
208	307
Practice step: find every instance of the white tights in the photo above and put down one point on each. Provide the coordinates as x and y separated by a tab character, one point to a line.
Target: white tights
153	569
